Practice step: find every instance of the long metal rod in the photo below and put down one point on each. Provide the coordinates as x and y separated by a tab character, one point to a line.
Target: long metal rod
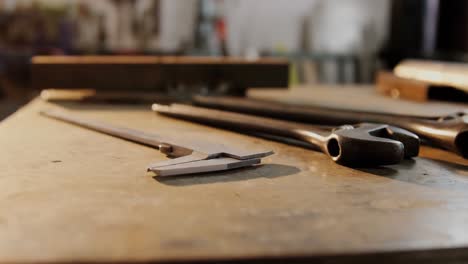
132	135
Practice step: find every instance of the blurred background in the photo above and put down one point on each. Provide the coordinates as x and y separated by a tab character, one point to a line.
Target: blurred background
326	41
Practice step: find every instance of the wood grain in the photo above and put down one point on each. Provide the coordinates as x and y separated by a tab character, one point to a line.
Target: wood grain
69	194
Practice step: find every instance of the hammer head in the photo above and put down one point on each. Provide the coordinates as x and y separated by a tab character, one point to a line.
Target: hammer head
369	144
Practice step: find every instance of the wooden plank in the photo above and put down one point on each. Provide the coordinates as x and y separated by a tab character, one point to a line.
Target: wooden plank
70	194
364	97
155	73
448	74
391	85
201	60
404	88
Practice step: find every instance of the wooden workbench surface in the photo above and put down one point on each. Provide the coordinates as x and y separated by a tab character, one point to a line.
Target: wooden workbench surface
69	194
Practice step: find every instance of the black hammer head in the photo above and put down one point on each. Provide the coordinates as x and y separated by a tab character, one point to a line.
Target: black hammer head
369	144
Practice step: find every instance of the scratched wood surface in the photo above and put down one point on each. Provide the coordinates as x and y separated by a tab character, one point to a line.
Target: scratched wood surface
69	194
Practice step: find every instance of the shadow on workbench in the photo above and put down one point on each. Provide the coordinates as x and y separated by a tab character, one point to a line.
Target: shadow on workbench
447	175
269	171
446	256
7	108
454	167
389	171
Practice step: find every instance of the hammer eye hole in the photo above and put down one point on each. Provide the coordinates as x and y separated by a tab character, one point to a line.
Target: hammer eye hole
333	148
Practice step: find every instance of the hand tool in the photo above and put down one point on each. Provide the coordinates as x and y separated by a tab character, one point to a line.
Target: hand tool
360	145
189	157
447	132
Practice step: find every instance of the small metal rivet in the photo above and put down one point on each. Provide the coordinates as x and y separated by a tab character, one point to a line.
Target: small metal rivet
165	148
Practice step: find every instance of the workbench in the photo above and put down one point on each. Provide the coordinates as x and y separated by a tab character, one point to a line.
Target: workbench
70	194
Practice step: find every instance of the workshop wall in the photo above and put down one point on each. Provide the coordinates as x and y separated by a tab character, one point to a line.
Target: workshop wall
353	29
335	26
332	26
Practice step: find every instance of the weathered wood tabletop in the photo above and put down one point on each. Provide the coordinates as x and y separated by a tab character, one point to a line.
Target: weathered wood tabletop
69	194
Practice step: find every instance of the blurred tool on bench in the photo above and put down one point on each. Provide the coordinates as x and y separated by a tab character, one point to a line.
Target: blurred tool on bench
448	132
358	145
